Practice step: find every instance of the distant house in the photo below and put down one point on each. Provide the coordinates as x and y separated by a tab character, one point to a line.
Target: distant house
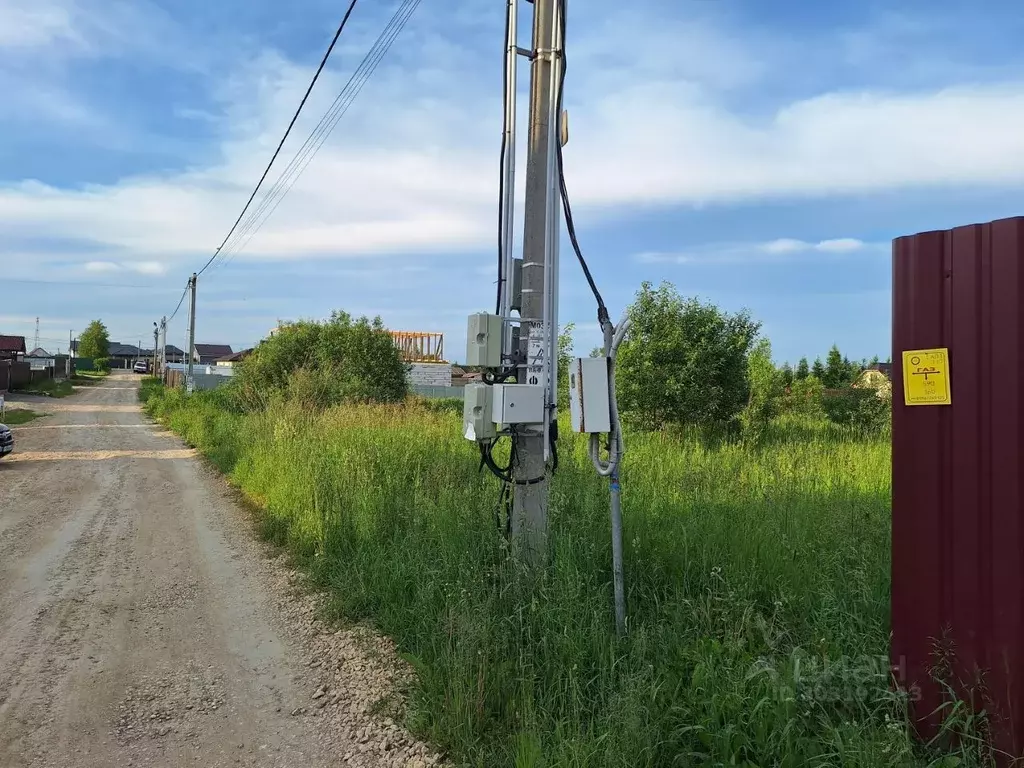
39	352
875	376
209	354
229	361
12	347
174	355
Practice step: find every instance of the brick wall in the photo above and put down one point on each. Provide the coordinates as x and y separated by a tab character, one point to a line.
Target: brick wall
430	374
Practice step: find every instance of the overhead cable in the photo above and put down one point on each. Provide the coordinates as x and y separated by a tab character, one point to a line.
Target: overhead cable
323	129
305	96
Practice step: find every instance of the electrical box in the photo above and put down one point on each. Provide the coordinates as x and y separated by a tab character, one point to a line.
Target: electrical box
517	285
477	409
589	405
518	404
483	340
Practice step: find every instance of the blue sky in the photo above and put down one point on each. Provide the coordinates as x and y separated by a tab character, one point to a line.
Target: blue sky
760	154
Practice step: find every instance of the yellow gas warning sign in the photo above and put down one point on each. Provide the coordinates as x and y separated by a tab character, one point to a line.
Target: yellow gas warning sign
926	377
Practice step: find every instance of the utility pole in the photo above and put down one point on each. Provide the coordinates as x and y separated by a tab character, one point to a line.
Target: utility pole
191	331
539	270
156	343
163	345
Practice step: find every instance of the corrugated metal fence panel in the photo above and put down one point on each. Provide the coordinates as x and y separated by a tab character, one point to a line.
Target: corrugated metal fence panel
957	544
438	391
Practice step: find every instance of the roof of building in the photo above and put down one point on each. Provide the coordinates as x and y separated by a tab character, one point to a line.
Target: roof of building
170	349
39	352
12	344
235	357
215	351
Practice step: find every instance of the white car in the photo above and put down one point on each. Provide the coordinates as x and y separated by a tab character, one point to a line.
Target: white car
141	367
6	440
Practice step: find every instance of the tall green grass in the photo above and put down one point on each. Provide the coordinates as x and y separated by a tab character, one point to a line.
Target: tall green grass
757	586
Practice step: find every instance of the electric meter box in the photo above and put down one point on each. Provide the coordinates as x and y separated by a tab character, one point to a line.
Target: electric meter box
589	406
477	421
483	340
518	404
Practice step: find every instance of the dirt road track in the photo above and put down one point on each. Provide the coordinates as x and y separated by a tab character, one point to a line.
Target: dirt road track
140	623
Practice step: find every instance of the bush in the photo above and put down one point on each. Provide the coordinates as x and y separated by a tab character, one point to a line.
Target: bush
683	362
862	409
766	389
805	398
101	364
323	364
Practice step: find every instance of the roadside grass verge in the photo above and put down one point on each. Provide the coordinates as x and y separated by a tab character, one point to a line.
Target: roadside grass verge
757	585
15	416
88	378
49	389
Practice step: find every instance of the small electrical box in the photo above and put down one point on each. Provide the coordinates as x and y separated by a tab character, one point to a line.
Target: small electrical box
589	406
483	340
518	404
477	409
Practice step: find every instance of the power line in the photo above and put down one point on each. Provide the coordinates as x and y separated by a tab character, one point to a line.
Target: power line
182	299
324	127
284	138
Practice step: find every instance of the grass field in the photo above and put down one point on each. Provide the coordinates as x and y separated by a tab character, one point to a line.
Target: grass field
757	578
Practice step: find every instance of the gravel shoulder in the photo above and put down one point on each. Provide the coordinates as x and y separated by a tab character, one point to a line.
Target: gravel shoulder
141	623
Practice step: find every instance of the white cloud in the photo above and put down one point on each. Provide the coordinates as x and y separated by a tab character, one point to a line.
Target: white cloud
782	249
412	168
101	266
146	267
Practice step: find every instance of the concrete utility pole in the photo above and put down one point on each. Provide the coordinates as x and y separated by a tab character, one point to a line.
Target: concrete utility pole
191	329
156	343
530	504
163	344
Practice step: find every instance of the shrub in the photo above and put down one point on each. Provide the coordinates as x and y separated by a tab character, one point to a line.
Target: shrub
101	364
862	409
683	362
323	364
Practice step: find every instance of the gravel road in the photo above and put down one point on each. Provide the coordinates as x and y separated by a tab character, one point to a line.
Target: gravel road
142	624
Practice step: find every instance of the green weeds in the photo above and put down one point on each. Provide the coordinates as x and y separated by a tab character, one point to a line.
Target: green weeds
757	585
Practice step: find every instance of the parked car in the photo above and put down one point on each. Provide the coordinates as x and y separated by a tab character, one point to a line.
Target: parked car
141	367
6	440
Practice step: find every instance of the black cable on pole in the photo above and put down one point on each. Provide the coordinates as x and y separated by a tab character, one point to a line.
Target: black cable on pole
502	192
180	301
602	310
316	76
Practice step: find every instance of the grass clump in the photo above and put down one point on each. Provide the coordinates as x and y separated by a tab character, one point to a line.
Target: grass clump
15	416
757	585
49	388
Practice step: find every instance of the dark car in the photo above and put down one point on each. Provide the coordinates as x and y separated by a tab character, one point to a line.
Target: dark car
6	440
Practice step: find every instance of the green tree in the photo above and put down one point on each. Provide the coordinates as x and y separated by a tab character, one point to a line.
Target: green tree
683	361
786	372
818	370
766	388
836	369
94	343
803	370
321	364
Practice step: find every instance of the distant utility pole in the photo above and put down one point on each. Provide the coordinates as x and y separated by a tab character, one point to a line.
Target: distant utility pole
163	344
539	275
35	343
191	330
156	343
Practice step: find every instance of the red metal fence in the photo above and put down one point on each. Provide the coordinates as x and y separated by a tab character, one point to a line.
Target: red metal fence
958	470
